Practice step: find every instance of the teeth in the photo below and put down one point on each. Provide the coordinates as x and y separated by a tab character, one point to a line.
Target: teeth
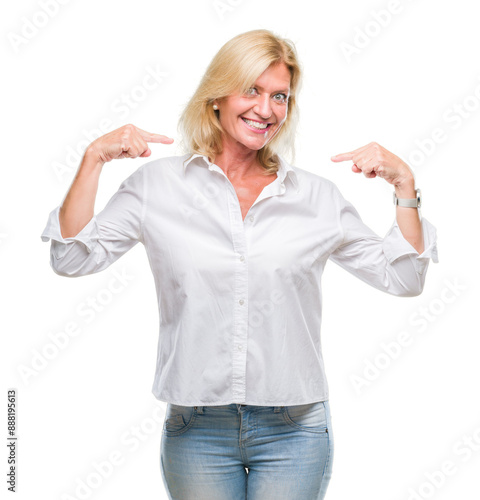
260	126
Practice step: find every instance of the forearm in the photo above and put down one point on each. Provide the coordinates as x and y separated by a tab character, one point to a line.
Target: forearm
408	218
78	207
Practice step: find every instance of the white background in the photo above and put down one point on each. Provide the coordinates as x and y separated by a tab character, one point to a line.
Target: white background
92	398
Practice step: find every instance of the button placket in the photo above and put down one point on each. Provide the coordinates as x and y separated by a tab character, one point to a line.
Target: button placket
240	327
241	231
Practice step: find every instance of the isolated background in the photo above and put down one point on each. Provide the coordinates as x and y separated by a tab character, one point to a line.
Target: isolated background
417	73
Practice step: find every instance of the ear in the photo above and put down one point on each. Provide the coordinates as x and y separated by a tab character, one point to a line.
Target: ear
218	101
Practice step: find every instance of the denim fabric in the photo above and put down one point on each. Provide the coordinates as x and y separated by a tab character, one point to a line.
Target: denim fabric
238	452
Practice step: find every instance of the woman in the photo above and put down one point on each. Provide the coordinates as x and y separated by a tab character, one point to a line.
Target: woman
237	240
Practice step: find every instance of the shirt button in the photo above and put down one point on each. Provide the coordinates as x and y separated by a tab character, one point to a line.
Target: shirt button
241	302
242	258
239	347
251	218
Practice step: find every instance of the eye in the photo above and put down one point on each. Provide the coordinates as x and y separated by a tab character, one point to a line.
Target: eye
280	97
251	91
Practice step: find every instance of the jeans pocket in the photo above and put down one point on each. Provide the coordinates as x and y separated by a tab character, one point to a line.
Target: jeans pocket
178	419
311	417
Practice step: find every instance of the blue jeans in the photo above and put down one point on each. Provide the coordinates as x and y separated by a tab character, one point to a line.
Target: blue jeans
239	452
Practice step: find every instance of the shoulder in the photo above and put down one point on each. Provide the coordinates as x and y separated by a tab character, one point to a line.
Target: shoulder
157	170
313	183
168	164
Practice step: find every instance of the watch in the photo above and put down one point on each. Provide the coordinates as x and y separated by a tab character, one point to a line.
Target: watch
408	202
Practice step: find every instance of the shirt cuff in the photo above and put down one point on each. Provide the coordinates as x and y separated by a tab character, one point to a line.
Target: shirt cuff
395	245
88	235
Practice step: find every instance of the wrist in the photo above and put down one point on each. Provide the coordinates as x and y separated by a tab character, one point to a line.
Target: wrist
91	159
405	188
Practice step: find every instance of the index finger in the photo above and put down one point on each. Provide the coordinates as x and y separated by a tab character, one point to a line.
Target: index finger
150	137
351	154
342	157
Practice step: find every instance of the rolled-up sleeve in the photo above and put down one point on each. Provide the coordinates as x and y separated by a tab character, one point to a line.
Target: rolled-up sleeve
390	264
105	238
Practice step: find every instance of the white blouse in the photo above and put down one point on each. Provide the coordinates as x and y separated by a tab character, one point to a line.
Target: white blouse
240	301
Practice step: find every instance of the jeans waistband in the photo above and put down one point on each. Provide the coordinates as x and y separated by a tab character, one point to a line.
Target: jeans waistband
239	407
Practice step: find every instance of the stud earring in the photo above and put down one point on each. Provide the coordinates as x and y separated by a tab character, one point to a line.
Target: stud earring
215	107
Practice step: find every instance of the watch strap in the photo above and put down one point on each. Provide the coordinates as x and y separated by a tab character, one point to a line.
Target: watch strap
408	202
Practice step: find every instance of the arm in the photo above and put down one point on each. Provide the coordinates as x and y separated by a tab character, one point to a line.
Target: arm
408	219
77	208
397	263
126	142
390	264
83	243
374	160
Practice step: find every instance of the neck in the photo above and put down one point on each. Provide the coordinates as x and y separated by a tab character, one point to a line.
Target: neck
238	162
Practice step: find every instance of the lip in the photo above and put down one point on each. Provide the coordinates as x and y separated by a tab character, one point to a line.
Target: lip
262	131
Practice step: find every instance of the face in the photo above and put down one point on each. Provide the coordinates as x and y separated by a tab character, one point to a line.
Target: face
251	120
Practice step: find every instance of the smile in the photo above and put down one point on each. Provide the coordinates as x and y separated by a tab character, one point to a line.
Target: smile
257	125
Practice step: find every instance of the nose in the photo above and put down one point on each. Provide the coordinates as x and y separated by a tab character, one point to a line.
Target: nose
263	108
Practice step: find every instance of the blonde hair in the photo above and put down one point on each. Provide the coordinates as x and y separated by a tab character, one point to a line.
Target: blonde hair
235	68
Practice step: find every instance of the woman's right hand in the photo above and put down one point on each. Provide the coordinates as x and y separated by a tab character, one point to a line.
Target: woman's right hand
125	142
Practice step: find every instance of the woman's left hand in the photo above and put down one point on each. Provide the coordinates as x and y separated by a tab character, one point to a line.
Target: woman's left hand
374	160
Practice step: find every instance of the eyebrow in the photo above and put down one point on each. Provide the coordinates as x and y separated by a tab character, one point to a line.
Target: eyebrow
285	91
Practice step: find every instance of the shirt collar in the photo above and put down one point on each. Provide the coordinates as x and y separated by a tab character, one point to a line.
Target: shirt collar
284	169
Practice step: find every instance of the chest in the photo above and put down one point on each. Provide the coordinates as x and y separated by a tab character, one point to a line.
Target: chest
249	191
192	232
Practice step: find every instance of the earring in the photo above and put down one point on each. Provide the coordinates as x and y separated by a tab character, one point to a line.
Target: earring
215	107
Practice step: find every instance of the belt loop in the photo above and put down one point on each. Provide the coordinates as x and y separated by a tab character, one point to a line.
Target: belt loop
199	409
278	409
